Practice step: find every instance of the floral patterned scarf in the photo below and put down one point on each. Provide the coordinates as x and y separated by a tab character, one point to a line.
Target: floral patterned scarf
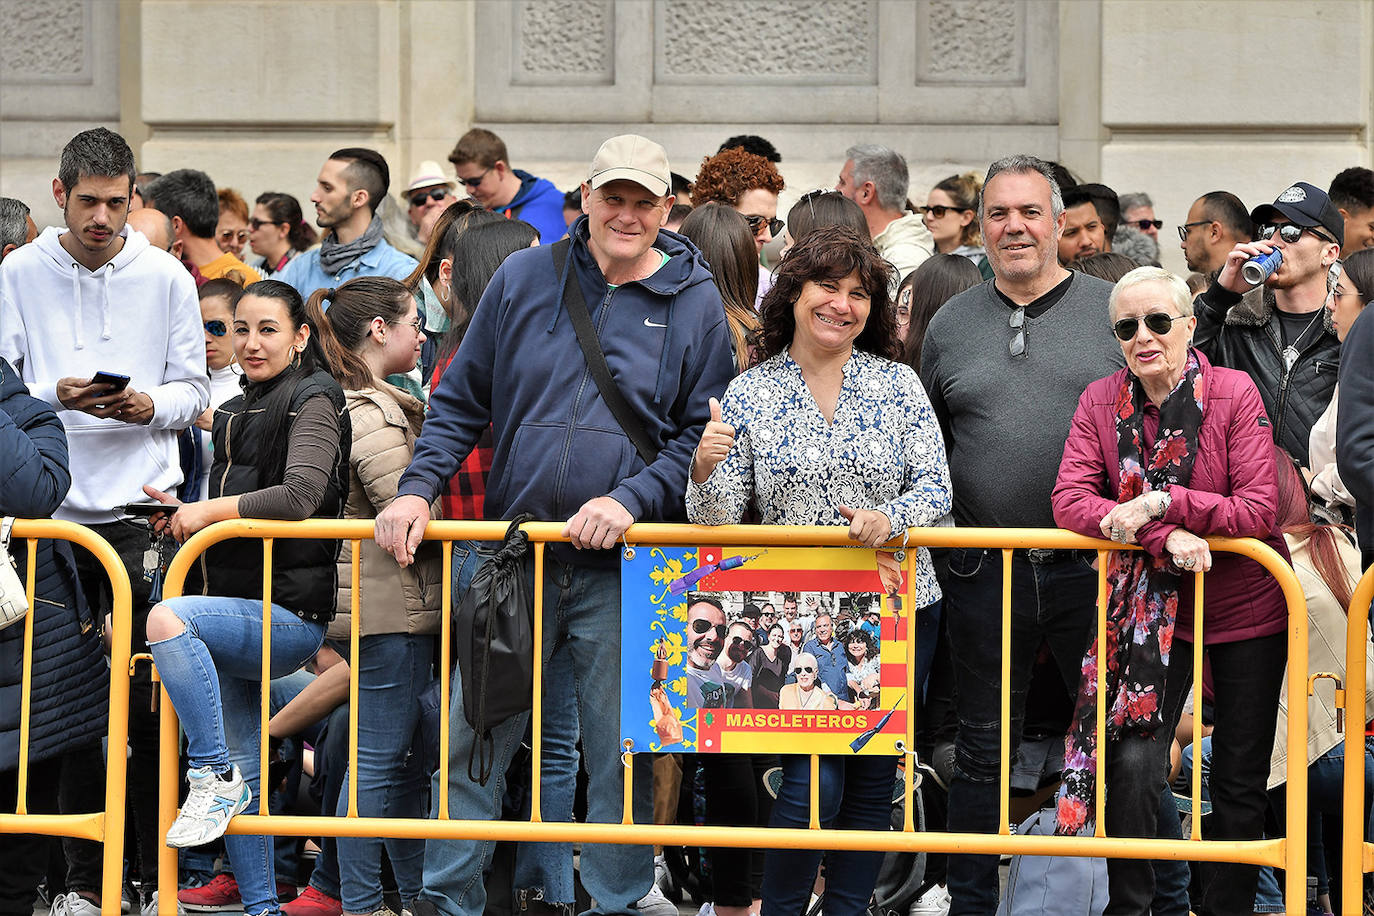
1143	601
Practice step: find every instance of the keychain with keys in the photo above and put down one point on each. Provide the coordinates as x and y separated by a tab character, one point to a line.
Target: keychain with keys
153	565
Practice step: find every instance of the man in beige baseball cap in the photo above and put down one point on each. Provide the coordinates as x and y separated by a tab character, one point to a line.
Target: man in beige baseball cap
633	158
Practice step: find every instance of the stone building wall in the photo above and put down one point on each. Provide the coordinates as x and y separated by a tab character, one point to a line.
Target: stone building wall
1174	97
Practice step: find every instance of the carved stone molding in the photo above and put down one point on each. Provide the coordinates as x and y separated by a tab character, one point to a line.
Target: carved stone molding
561	42
45	41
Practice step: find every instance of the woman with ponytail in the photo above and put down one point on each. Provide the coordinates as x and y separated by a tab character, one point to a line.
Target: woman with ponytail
378	327
280	452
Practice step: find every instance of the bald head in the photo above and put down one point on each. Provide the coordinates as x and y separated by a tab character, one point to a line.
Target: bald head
155	224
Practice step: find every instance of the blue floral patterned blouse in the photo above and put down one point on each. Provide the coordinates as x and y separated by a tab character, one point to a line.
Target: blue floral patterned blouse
883	451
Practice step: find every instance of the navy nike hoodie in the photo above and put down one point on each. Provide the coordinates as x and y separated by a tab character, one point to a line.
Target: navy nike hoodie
557	444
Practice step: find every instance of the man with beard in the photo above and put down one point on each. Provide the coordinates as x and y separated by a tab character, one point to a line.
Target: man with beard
1280	331
706	631
1216	223
738	673
350	187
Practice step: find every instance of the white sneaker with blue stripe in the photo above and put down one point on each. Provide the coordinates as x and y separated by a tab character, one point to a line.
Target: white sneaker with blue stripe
209	806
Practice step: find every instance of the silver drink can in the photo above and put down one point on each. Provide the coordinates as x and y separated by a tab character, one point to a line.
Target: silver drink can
1256	270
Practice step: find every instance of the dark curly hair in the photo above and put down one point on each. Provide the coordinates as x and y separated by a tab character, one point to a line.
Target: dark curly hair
726	176
830	253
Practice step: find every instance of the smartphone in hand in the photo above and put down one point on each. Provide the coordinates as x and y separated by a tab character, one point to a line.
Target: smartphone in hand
115	380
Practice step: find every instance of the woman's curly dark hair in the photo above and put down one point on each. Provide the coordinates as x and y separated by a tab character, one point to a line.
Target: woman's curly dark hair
830	253
726	176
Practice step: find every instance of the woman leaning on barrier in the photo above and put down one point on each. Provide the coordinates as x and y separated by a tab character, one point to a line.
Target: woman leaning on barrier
377	322
828	429
1164	453
70	682
280	452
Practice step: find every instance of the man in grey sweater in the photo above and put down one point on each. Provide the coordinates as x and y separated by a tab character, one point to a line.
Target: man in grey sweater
1004	364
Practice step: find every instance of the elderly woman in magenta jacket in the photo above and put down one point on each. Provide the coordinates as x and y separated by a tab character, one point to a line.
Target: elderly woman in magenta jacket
1164	453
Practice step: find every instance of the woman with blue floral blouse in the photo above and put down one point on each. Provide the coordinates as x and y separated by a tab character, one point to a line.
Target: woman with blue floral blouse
827	429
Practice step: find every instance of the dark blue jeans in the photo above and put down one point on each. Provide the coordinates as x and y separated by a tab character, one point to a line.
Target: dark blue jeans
1054	602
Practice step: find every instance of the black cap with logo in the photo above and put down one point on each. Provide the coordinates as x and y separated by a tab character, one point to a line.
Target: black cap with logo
1304	205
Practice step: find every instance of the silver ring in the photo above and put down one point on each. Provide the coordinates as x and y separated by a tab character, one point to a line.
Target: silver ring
1187	563
1117	534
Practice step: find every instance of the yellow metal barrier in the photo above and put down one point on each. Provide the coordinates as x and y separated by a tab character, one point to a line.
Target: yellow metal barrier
105	826
1357	855
1288	852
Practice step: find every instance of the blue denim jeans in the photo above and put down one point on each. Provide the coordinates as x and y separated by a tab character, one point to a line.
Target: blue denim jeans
855	794
392	670
582	630
212	672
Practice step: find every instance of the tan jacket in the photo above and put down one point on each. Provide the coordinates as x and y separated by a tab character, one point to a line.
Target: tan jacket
386	421
1325	652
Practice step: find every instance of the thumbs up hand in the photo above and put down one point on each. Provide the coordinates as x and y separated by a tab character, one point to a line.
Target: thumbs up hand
867	526
716	441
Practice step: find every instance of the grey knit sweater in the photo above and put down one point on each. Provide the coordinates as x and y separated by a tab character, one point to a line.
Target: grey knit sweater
1006	419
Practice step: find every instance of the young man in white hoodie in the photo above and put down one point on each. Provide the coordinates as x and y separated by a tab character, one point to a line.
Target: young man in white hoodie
96	297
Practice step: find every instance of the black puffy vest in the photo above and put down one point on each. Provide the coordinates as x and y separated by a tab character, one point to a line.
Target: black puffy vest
304	575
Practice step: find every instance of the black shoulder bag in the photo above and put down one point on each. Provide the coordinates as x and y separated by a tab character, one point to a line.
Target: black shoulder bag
493	627
576	304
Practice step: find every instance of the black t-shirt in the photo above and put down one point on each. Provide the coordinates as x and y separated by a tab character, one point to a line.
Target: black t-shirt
1293	325
1038	307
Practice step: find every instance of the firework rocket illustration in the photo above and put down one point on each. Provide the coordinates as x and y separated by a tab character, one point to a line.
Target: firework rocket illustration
680	585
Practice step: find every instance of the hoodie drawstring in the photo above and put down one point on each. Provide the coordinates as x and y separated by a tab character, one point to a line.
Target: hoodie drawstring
105	333
105	307
76	297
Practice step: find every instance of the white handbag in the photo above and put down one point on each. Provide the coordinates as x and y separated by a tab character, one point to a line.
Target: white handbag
14	603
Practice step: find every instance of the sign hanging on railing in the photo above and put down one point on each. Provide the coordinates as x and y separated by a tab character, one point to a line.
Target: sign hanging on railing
764	650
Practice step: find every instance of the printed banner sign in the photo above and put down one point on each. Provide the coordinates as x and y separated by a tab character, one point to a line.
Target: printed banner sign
782	650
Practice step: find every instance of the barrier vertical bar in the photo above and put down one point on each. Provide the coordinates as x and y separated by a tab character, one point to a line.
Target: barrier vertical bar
1295	841
815	793
1004	763
445	667
1195	833
169	778
354	636
909	746
537	689
1356	714
21	798
117	726
265	701
1100	827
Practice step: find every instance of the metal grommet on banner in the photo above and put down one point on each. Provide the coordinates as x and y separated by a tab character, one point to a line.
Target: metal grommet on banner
901	748
901	551
629	552
628	743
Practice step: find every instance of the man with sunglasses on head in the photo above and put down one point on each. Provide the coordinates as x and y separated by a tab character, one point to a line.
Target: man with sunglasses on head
1280	331
483	167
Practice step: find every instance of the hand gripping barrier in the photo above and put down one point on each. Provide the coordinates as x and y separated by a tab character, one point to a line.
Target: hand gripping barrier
1289	853
107	826
1357	855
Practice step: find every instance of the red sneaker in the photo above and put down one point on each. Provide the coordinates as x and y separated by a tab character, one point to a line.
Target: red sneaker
312	902
222	895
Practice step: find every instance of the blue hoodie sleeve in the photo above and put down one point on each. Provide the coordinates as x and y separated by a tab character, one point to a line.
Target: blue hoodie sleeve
34	476
459	406
656	492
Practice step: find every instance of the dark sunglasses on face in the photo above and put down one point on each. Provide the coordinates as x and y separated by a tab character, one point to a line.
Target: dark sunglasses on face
1144	224
804	669
702	626
938	211
1288	232
474	182
756	224
1156	322
420	198
748	644
216	328
257	224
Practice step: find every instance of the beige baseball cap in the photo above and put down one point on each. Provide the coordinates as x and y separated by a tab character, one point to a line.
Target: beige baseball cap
634	158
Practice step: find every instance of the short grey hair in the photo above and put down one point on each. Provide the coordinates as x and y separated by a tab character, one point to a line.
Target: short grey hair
1178	290
14	222
885	168
1020	164
1132	201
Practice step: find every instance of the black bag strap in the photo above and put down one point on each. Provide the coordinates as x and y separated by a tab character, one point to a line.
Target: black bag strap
576	304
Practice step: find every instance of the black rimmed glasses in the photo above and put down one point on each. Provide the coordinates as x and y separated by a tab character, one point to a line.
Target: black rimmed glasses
700	626
1288	232
1187	227
1017	323
216	328
756	224
1156	322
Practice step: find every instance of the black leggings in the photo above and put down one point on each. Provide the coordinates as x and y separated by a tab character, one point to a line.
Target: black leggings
736	797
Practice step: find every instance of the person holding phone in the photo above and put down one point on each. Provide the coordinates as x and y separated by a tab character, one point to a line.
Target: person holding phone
289	437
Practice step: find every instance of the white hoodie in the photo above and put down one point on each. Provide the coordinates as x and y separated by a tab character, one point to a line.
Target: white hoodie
138	315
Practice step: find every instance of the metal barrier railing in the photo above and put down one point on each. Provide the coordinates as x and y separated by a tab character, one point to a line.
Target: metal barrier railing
107	826
1287	852
1357	856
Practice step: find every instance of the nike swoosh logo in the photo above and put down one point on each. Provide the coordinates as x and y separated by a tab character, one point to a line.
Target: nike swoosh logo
653	324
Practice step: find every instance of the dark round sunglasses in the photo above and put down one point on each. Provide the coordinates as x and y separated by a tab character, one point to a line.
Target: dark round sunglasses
1156	322
702	626
1288	232
756	223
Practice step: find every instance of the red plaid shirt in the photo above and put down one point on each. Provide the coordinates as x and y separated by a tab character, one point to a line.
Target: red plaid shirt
468	489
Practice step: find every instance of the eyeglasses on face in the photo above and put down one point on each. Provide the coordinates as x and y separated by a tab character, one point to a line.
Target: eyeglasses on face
804	669
216	328
1187	227
700	626
1144	224
938	211
756	224
1288	232
1017	323
255	224
474	182
417	323
1155	322
229	236
422	197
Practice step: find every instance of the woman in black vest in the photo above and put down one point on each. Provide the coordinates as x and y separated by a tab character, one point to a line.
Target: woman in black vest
280	451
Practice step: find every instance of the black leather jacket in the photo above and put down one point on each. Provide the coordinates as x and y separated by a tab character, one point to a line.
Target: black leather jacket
1242	332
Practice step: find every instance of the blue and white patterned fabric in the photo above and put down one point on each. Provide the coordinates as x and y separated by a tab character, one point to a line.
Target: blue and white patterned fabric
883	451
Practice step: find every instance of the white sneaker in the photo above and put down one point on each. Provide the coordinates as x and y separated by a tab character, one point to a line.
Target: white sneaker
934	902
655	904
73	904
707	909
209	806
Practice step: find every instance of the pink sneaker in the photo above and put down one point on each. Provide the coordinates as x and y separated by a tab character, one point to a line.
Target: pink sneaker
312	902
221	895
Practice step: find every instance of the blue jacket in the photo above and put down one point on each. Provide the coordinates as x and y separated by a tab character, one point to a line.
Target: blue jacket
70	676
520	369
305	273
539	203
